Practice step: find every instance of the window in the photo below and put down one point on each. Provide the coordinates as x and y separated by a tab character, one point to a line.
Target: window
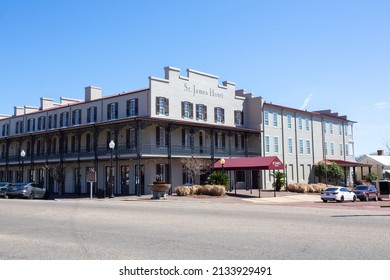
289	122
30	125
75	144
266	118
238	118
19	127
132	107
161	137
162	170
300	126
276	144
326	148
307	124
187	110
89	142
41	123
340	130
64	120
331	128
112	111
201	112
341	150
275	117
110	136
300	146
92	114
220	140
162	106
52	121
332	149
76	117
308	147
346	150
267	144
290	146
239	141
219	115
130	138
5	129
324	127
186	139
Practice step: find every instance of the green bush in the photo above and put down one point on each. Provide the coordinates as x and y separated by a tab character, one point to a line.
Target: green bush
219	178
212	190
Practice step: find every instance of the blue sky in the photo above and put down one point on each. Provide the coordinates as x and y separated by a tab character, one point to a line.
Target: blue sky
311	54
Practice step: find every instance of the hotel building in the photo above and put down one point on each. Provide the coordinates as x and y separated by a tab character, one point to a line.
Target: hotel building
153	129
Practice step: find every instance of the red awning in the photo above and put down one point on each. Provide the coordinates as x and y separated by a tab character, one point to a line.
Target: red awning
250	163
345	163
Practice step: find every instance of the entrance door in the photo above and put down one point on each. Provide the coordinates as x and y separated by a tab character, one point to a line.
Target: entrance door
125	182
139	179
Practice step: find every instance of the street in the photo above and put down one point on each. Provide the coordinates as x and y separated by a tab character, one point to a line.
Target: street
122	228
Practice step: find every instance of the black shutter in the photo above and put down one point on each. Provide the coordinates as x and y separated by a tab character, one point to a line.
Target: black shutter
166	106
61	120
183	137
95	114
109	112
157	105
205	113
197	111
128	102
74	117
167	137
182	109
236	140
223	115
136	107
223	140
88	115
191	111
116	110
215	114
157	136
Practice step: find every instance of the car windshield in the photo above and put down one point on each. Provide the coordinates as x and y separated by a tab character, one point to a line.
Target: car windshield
361	188
331	189
19	184
2	184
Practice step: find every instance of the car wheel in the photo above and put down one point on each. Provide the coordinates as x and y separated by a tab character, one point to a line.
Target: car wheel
341	199
46	195
31	196
376	198
324	200
367	198
354	198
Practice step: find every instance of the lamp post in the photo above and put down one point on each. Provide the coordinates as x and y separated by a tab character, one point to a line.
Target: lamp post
112	146
22	154
222	162
286	164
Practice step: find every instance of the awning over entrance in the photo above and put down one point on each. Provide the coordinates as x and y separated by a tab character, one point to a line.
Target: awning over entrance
345	163
250	163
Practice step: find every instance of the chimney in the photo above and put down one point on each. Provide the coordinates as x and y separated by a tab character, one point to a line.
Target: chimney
381	152
92	93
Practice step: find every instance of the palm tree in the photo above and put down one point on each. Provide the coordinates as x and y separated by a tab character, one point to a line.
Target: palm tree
280	180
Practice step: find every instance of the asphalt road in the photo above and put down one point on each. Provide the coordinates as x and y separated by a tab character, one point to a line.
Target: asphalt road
211	229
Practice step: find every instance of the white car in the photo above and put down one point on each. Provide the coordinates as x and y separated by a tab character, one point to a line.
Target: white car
338	194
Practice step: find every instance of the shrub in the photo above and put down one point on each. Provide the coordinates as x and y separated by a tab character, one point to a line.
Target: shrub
306	188
212	190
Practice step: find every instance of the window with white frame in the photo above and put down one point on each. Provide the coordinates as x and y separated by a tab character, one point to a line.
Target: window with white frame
300	125
52	121
324	127
42	123
345	130
201	112
290	145
341	149
326	148
112	111
92	114
187	110
161	137
131	138
276	144
346	150
289	121
331	148
219	115
307	124
64	119
19	127
308	147
301	146
132	107
331	128
238	118
186	138
76	117
275	118
219	140
30	125
5	131
162	106
266	118
267	144
340	130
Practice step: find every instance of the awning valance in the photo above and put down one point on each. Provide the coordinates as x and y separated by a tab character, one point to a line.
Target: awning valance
250	163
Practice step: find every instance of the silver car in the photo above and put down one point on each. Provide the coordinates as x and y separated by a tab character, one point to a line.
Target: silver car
27	190
3	189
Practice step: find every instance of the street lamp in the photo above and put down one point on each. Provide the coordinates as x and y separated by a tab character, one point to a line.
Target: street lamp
222	162
286	164
112	146
22	154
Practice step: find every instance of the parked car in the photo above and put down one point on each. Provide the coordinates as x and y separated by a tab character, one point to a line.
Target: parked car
27	190
3	189
366	193
338	194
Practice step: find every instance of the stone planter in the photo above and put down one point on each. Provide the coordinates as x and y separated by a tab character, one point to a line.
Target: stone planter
158	189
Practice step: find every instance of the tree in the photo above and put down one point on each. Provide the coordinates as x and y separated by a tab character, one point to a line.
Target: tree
321	170
59	172
371	177
331	172
280	180
195	167
219	178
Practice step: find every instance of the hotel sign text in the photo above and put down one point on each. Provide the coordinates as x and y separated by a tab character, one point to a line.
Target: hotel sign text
206	92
